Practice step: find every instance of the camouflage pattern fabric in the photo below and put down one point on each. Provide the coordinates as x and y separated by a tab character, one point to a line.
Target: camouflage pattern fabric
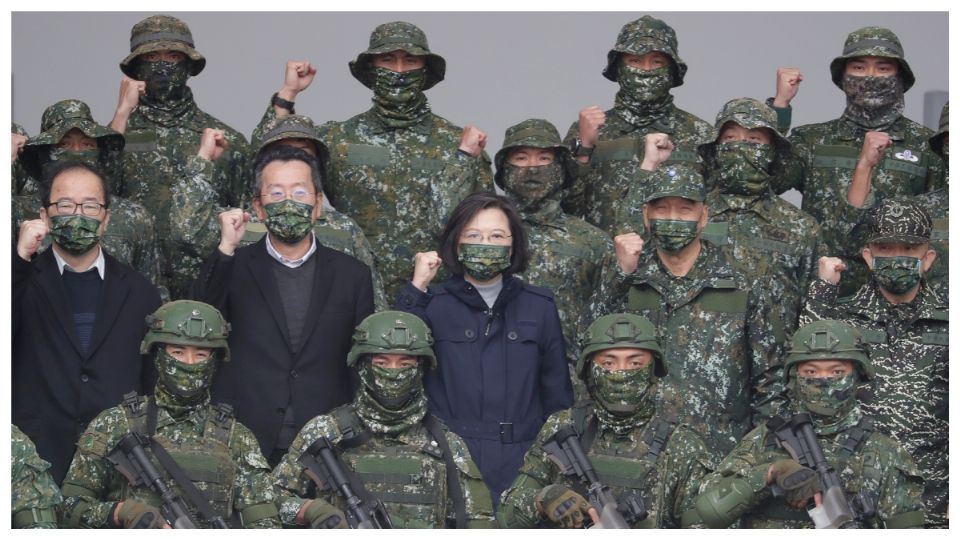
937	203
722	340
909	348
409	481
22	183
666	486
881	468
159	33
33	493
644	35
92	486
394	36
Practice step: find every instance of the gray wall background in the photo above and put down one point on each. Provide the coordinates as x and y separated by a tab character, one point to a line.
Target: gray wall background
502	67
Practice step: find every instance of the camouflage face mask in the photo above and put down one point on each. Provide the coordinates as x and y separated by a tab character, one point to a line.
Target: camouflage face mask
873	102
289	221
187	382
897	275
827	396
744	167
166	81
620	392
89	157
392	388
398	97
672	235
529	187
75	233
484	262
645	84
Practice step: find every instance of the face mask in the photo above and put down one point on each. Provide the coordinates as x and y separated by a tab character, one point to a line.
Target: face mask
398	87
873	102
484	262
530	186
189	382
289	221
392	388
75	233
744	167
89	157
897	275
672	235
620	392
166	81
828	396
645	85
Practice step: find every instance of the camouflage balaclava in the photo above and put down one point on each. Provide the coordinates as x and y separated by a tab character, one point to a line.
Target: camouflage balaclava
872	102
484	262
672	235
904	221
536	190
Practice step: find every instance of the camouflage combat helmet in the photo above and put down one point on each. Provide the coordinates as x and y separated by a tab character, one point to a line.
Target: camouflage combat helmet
293	126
402	36
871	41
828	340
936	142
187	322
536	133
620	331
677	180
392	332
641	36
57	120
751	114
901	220
159	33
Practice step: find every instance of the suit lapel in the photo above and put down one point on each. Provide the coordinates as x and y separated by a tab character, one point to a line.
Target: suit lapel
323	279
259	266
113	294
51	283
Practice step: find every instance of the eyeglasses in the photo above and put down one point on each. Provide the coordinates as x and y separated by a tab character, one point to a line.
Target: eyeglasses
277	195
87	208
477	237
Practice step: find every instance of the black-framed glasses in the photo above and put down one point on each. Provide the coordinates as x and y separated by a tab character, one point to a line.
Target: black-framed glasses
87	208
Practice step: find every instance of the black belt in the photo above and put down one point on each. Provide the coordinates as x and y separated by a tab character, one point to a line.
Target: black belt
504	432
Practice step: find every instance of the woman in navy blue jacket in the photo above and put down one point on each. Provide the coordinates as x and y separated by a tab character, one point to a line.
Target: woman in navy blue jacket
499	345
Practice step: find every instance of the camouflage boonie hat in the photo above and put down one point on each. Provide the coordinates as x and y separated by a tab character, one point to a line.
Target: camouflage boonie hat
871	41
536	133
18	129
57	120
161	33
187	322
751	114
641	36
828	340
677	180
936	142
399	36
293	126
900	220
620	331
392	332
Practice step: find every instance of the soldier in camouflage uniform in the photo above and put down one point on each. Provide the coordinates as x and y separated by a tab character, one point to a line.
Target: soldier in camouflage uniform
397	169
635	451
163	127
905	325
874	75
567	254
34	495
721	335
762	234
69	132
827	361
403	456
194	225
937	202
609	145
21	183
219	455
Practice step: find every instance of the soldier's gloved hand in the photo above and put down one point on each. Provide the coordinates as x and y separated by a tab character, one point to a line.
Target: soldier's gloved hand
799	483
564	507
137	515
322	515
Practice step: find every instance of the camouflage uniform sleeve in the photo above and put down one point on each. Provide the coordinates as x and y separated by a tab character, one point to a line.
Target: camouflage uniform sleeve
813	249
684	470
364	253
479	504
91	479
820	303
611	295
293	486
574	197
747	461
518	508
147	258
33	492
237	169
794	170
767	339
269	116
194	209
784	116
937	177
111	160
900	503
462	175
254	497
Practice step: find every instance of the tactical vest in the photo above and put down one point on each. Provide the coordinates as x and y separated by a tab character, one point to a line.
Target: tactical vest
207	462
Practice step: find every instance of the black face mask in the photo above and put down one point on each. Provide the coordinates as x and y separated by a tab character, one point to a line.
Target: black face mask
166	81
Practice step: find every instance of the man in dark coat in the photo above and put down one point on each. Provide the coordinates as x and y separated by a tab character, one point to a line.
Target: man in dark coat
78	317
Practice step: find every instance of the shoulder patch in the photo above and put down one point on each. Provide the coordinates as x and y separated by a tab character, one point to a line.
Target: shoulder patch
93	443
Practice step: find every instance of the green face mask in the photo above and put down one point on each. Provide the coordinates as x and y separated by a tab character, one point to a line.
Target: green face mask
645	85
89	157
672	235
897	275
289	221
392	388
828	396
531	186
620	392
75	233
484	262
744	167
398	97
166	81
187	382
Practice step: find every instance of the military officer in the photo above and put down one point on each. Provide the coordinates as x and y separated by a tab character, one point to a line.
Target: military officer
33	492
403	456
827	362
218	455
634	450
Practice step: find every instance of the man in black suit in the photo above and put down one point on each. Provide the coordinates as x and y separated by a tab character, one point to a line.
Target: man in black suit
78	317
292	303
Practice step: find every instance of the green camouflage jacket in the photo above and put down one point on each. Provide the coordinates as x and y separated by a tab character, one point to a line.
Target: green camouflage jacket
33	493
937	202
909	348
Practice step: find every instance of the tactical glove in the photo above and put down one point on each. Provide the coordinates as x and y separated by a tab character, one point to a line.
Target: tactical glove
323	515
564	507
136	515
798	483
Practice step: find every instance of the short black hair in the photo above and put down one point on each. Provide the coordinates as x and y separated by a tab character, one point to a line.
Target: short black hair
54	169
464	212
285	152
